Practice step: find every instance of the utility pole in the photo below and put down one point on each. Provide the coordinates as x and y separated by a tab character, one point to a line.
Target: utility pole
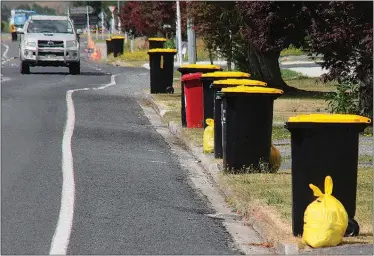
88	22
111	8
191	38
102	25
179	34
119	20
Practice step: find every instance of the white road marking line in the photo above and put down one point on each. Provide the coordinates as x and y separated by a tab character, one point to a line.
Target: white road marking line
154	150
61	237
5	53
159	162
6	50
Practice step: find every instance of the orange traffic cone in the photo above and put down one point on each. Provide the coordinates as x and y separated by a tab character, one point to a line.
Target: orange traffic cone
93	55
98	54
90	44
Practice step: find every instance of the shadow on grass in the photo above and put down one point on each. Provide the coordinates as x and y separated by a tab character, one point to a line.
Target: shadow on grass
295	93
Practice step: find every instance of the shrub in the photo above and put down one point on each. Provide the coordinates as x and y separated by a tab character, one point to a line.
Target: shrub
291	51
134	56
346	98
170	44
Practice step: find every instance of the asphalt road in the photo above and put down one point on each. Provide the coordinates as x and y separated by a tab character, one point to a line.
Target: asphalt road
132	196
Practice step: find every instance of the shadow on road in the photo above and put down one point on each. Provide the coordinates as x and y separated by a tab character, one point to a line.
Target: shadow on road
67	73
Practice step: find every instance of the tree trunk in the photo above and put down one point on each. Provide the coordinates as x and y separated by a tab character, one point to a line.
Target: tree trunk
210	51
366	95
229	60
265	67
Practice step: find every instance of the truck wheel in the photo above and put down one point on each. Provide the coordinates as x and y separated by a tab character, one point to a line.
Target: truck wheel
75	68
24	68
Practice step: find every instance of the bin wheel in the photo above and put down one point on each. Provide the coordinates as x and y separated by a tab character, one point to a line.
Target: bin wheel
170	89
353	228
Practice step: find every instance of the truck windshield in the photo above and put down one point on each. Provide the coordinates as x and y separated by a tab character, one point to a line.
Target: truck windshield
50	26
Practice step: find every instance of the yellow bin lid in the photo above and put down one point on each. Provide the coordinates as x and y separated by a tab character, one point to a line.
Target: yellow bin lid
162	50
160	39
252	89
247	82
202	66
329	118
118	37
225	74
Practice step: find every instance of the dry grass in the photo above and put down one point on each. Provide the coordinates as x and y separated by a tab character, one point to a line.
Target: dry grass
286	107
273	193
194	135
171	103
297	104
311	84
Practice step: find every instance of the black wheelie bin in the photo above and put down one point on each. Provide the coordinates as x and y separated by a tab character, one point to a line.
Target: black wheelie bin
161	63
216	87
321	145
247	118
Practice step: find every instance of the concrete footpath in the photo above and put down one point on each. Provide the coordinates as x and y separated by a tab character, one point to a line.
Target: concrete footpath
258	223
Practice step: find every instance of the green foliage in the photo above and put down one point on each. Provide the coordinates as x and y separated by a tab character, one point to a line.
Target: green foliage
346	98
4	26
5	13
292	51
140	55
43	10
288	74
170	44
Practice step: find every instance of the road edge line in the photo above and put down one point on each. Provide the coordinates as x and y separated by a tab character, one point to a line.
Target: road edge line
61	236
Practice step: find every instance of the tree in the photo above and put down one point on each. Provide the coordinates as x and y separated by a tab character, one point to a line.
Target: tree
24	7
343	33
222	30
5	13
129	17
268	28
259	32
43	10
149	18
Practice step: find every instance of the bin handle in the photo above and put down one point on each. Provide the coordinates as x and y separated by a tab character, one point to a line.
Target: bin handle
162	62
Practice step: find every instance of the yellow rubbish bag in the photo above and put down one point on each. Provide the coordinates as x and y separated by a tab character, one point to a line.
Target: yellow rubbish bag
275	159
325	219
208	138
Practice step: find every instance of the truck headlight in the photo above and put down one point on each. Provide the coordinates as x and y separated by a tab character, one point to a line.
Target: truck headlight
30	43
72	44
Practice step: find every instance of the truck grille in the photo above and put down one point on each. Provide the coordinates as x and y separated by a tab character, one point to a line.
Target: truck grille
60	54
50	44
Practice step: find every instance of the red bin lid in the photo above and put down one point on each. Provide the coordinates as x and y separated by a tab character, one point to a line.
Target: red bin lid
192	76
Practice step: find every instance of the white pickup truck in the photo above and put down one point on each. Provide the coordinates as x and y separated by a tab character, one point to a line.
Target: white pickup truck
49	41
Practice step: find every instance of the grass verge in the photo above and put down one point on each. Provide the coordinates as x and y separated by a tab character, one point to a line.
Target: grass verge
140	55
272	192
268	196
127	60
